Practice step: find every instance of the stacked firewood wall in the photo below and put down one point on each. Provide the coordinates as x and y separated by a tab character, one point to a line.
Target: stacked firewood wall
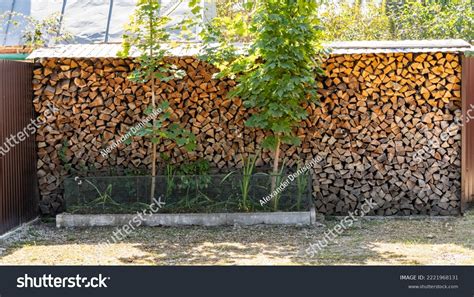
385	129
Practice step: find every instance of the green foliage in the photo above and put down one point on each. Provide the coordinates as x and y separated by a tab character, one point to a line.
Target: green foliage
301	185
398	20
103	199
222	35
415	20
247	170
345	20
159	129
194	177
148	33
247	173
276	76
63	156
37	33
232	8
199	167
169	173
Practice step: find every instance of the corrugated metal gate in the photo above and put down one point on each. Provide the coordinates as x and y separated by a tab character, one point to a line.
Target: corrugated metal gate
18	184
467	175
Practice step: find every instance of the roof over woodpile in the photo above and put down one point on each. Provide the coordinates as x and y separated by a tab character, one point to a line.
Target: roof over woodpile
103	50
400	46
109	50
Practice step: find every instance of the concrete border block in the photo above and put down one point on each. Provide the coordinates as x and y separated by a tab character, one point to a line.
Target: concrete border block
187	219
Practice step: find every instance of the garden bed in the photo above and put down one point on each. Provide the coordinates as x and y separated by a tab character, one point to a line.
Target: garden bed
186	194
206	200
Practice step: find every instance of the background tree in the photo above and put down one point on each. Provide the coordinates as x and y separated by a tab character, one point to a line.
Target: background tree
398	19
345	20
276	75
148	33
37	33
432	20
224	35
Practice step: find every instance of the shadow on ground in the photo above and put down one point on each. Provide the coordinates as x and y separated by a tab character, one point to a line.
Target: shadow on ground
387	242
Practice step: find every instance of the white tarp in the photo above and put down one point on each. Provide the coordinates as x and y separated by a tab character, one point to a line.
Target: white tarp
87	20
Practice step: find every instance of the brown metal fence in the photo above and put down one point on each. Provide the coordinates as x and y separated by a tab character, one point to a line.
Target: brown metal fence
467	175
18	184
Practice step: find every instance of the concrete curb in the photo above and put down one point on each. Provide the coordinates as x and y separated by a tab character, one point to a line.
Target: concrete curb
312	215
186	219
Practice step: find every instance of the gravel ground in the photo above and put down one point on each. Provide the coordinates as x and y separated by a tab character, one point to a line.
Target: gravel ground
386	242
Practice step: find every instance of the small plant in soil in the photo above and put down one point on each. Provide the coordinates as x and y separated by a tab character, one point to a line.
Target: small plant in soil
301	186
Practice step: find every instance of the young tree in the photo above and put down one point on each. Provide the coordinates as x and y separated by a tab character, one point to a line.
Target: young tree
276	76
148	33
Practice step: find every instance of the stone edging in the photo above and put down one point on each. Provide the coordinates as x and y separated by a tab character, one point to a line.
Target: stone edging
188	219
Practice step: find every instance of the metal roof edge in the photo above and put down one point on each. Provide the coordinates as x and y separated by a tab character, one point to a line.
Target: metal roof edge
109	50
402	46
397	44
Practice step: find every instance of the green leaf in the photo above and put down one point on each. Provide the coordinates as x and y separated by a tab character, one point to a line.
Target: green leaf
148	110
164	105
180	141
270	142
190	146
128	141
292	140
196	10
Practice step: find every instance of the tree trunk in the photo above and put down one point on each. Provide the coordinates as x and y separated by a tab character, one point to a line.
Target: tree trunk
153	156
276	160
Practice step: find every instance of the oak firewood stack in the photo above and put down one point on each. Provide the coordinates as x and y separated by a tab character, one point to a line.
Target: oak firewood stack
379	127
